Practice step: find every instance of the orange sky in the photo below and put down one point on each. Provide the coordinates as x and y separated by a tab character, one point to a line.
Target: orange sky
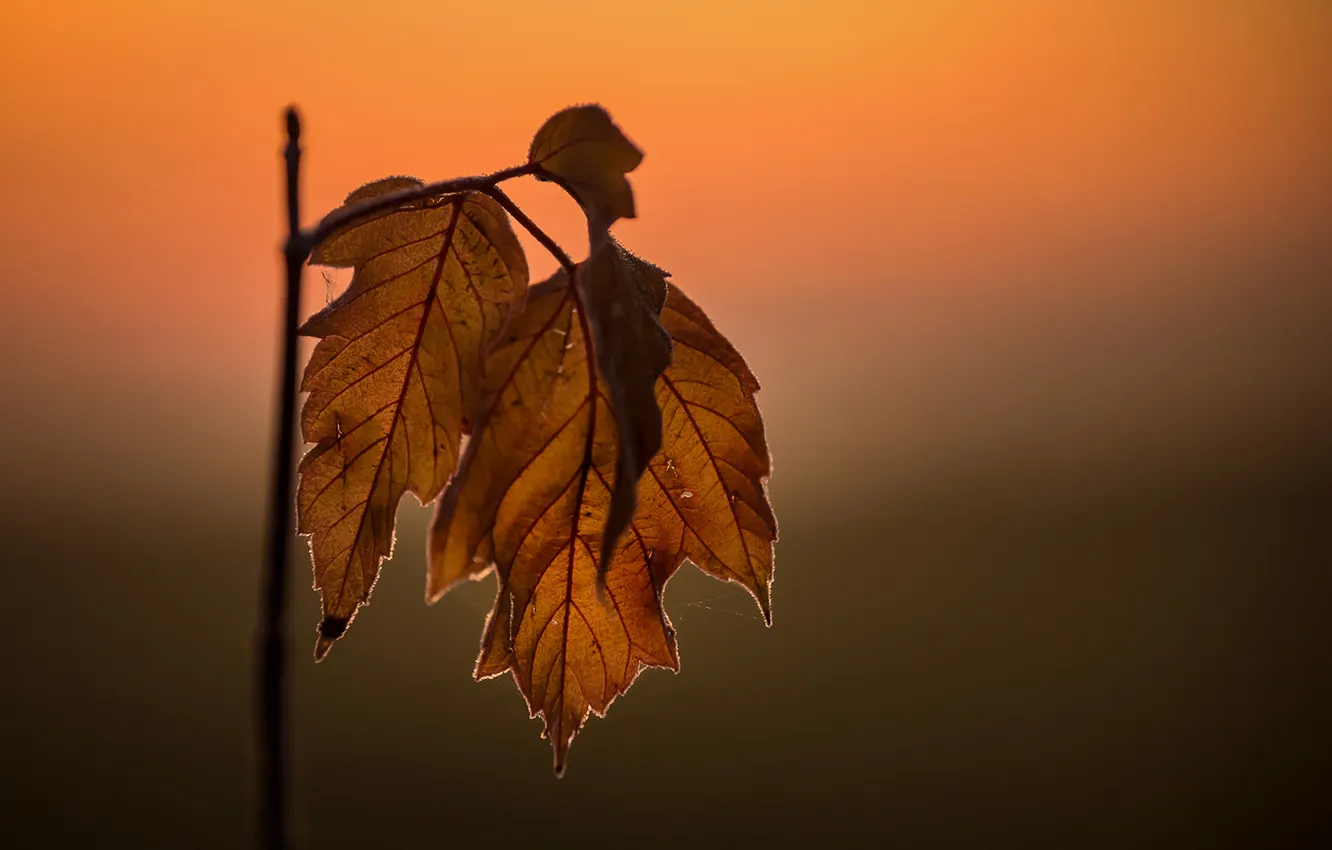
904	150
1039	293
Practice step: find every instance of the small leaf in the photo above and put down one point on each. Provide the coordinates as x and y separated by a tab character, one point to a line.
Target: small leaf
399	363
581	148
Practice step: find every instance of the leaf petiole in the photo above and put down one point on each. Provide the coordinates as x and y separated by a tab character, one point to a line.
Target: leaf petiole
530	226
349	215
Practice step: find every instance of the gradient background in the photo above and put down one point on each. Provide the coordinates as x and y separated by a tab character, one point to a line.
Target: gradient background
1041	298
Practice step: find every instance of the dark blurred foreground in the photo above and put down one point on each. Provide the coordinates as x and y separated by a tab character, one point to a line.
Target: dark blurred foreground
1063	642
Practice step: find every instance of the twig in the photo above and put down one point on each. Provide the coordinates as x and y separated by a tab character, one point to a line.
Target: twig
272	696
345	216
530	226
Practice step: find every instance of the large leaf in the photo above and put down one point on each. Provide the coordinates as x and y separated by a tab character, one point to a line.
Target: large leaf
395	375
534	494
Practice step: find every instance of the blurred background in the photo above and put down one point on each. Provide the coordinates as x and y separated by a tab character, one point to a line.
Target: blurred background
1040	295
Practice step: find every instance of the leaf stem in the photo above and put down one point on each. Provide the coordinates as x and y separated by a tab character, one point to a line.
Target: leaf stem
531	227
272	643
589	345
569	266
344	216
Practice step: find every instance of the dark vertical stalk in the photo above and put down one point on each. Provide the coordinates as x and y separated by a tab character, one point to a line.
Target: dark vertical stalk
272	650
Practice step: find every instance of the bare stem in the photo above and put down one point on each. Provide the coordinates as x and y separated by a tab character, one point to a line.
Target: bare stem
570	268
531	227
345	216
272	646
585	327
487	184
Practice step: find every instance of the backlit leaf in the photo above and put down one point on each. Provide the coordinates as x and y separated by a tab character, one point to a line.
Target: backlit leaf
623	296
713	466
396	371
534	494
582	148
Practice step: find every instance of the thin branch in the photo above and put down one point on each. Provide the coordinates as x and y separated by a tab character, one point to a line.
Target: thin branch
585	327
272	645
545	176
531	227
571	268
345	216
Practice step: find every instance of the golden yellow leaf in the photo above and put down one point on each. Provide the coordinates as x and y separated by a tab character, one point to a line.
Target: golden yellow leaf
395	375
581	148
711	471
534	492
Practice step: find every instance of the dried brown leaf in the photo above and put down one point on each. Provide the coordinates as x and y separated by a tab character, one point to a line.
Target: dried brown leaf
581	148
709	480
536	487
623	296
398	365
533	493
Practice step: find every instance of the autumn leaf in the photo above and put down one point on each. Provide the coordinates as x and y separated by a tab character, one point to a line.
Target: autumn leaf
397	369
582	149
535	493
623	296
710	474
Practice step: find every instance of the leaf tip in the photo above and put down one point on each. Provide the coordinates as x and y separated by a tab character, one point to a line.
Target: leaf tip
433	591
330	629
322	646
